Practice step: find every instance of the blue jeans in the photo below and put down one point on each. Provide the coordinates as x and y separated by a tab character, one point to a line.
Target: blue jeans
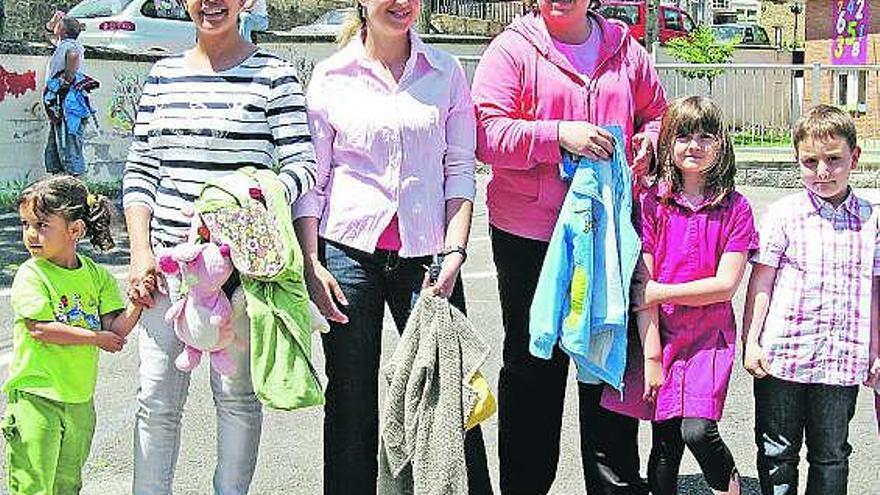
786	412
248	22
162	395
353	351
64	156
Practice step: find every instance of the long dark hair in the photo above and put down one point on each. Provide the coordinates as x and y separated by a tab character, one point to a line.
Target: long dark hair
69	198
689	115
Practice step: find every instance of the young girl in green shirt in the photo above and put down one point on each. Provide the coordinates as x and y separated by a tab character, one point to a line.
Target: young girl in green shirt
66	308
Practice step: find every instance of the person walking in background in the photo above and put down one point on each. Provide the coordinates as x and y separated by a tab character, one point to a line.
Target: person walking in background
811	310
394	130
254	16
64	147
66	308
543	86
222	105
697	234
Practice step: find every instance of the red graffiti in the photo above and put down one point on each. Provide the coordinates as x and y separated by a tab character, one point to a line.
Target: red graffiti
16	84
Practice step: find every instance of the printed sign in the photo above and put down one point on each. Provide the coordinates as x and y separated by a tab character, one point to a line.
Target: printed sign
850	43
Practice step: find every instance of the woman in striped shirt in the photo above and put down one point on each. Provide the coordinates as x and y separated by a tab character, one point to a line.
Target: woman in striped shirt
220	106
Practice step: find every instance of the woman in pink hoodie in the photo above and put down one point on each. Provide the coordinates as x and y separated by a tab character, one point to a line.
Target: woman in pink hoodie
548	84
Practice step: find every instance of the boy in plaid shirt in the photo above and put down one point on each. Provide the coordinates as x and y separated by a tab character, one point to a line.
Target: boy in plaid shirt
811	318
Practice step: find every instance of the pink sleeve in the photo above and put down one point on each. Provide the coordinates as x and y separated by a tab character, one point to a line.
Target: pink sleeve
742	235
504	139
650	95
459	164
311	204
648	210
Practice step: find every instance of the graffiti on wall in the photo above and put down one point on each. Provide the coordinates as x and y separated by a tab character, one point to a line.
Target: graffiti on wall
124	102
851	20
16	84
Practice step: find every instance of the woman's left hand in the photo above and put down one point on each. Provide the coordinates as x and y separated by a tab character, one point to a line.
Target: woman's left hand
643	155
449	270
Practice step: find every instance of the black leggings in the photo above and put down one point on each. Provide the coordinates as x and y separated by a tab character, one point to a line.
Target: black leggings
702	439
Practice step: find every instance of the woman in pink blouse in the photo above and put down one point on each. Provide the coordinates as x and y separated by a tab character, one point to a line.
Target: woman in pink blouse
394	131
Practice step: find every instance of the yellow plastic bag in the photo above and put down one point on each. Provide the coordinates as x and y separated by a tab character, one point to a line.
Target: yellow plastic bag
485	406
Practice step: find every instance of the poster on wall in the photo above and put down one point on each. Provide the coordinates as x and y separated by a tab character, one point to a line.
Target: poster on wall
851	20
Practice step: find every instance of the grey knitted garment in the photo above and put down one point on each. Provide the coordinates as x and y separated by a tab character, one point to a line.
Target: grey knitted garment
428	402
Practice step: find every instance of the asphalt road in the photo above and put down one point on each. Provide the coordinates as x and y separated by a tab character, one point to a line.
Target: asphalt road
291	451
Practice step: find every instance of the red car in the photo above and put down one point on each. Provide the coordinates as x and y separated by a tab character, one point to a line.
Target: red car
674	22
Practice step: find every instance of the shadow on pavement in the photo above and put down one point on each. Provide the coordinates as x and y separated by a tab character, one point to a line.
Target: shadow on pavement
13	252
694	484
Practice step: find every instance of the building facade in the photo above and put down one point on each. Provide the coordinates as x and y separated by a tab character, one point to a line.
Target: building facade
846	34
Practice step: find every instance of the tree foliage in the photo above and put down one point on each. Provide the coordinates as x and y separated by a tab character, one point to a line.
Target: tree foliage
701	47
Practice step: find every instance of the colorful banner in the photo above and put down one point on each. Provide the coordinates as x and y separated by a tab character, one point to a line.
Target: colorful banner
850	44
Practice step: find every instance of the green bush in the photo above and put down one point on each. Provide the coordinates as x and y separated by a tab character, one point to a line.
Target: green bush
11	190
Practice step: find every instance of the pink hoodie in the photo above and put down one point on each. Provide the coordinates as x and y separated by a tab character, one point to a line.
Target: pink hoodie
524	86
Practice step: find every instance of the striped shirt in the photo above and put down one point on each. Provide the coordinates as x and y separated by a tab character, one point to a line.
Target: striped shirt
194	126
818	326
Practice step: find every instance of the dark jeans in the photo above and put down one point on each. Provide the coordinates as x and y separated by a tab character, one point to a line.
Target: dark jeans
531	392
703	440
351	414
786	412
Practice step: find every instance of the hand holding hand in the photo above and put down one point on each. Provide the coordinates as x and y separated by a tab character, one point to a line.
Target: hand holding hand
109	341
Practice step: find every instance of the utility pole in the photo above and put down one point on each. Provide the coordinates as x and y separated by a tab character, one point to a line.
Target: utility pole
652	24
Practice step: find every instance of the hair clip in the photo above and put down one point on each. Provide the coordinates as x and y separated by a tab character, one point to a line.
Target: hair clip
91	200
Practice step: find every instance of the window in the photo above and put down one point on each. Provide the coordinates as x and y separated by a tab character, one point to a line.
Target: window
626	13
165	9
672	20
851	90
688	23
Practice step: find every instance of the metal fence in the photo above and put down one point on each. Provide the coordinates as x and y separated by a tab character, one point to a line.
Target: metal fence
501	11
762	101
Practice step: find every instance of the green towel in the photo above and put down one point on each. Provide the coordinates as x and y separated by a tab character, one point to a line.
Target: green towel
281	368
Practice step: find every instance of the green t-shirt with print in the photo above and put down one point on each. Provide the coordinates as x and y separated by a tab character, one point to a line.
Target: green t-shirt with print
44	291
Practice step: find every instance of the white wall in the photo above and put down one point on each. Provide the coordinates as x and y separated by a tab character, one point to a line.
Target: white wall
24	130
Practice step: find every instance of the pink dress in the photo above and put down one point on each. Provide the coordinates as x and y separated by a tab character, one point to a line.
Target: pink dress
698	342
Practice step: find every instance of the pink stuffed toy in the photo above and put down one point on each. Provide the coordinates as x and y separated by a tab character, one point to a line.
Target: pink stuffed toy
202	315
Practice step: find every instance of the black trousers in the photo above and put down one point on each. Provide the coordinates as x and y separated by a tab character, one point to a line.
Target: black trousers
531	392
351	414
702	438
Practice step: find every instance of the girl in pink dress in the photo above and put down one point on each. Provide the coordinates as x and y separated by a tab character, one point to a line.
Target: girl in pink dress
697	233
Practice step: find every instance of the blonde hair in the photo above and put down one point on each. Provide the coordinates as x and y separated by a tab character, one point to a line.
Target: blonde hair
353	25
688	115
825	122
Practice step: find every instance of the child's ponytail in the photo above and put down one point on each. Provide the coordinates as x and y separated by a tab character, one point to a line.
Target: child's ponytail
98	222
69	198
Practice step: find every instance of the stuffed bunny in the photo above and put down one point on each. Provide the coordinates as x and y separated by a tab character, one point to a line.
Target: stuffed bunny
202	313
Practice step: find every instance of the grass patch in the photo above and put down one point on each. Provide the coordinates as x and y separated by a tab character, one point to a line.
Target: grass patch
761	137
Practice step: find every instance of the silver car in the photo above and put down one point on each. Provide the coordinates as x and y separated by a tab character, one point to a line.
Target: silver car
136	26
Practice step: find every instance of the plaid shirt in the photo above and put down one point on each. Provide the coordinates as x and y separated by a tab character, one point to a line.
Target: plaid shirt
818	327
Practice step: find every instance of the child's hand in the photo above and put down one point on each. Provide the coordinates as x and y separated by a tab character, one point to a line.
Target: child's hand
754	360
873	379
653	379
109	341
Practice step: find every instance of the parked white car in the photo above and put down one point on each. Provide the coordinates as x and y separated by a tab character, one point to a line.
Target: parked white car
329	23
136	26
